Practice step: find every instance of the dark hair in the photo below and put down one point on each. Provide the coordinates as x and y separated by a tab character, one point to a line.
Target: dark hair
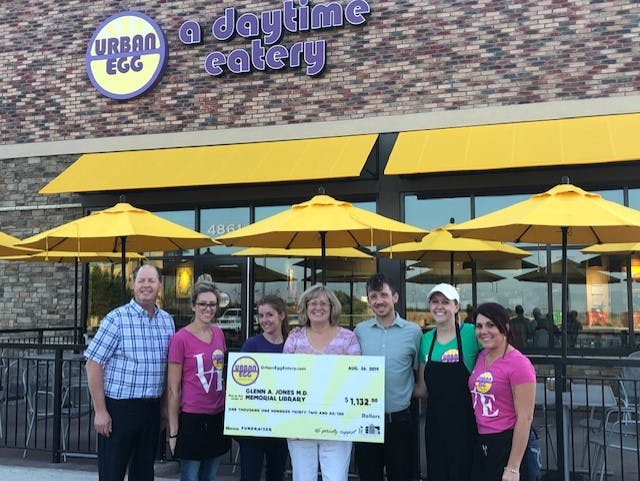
204	286
377	281
280	307
498	315
519	309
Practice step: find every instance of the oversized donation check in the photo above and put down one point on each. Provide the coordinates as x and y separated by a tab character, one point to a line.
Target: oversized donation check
305	396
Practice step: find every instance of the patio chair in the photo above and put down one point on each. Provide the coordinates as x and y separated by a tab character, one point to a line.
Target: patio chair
630	384
76	400
621	432
10	387
545	400
38	381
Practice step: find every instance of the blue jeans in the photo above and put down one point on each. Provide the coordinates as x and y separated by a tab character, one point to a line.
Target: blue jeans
205	470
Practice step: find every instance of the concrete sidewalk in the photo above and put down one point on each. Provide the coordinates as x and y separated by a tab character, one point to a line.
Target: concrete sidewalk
21	471
18	469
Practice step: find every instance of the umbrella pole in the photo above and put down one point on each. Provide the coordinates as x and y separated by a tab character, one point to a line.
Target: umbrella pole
474	284
123	261
76	337
563	457
451	268
565	295
630	319
323	251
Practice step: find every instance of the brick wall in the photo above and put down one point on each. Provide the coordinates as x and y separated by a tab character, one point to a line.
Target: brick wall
410	56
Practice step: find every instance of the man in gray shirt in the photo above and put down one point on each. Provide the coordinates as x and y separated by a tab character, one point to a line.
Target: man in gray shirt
398	340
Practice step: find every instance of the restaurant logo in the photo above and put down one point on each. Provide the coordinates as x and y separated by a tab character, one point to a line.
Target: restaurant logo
265	29
245	371
126	55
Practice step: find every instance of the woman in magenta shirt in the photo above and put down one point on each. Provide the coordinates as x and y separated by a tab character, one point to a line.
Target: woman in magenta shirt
503	388
196	391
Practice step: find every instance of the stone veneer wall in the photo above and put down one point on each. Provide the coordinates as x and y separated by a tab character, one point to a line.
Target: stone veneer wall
34	294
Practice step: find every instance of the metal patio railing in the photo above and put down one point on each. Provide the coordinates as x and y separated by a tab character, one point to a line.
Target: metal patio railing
590	429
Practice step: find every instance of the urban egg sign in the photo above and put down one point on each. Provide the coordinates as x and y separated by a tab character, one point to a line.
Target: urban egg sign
265	30
126	55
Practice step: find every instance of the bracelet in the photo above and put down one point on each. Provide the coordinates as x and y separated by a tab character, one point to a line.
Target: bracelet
175	436
512	470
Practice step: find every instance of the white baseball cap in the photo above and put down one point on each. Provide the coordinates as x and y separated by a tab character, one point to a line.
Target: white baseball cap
447	290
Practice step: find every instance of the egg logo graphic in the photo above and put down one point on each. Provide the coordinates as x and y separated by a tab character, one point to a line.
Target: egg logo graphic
245	371
450	355
483	382
217	357
126	55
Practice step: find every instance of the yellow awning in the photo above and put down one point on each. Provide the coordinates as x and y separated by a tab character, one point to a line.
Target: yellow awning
260	162
584	140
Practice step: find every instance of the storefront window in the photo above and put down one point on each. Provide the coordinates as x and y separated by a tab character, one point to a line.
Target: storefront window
634	198
431	213
215	222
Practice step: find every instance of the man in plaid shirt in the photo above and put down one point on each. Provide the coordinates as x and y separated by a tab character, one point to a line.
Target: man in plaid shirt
126	372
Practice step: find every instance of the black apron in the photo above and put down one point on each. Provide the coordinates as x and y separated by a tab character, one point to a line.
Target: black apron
450	430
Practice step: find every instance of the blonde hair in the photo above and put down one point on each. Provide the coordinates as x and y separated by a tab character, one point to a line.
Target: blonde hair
315	291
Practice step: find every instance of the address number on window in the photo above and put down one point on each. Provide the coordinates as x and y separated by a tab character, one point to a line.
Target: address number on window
219	229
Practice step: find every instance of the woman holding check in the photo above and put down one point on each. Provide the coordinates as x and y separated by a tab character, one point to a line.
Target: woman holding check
319	312
272	317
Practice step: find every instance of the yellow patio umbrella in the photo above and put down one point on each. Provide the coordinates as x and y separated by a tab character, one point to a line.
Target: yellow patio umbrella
346	252
435	276
440	245
231	274
323	222
343	254
626	249
614	248
120	228
8	247
562	215
576	274
64	256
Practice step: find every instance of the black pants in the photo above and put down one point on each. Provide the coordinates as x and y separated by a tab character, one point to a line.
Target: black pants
492	454
133	440
396	453
254	452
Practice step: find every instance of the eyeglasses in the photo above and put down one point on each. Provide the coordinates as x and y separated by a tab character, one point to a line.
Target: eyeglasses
204	305
318	304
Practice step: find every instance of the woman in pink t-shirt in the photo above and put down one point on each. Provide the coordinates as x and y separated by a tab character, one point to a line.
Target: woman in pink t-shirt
196	391
503	388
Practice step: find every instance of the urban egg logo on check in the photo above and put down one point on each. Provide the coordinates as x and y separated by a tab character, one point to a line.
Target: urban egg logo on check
245	371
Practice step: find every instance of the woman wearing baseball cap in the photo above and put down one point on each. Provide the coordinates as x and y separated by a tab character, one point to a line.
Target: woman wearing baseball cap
447	356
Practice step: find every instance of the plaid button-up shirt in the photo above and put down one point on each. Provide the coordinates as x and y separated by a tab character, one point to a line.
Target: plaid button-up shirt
132	349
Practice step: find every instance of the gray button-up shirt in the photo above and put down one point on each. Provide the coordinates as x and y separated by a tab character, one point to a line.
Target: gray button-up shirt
399	343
